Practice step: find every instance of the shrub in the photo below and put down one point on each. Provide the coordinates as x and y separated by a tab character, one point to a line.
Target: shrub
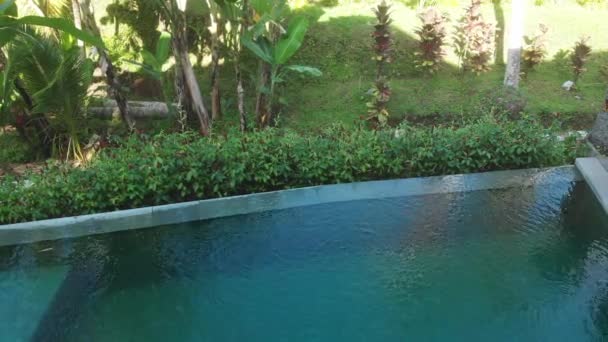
535	50
431	35
171	168
580	55
474	40
501	101
14	150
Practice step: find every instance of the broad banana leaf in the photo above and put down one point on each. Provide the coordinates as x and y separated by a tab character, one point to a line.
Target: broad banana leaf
259	47
288	46
10	26
163	47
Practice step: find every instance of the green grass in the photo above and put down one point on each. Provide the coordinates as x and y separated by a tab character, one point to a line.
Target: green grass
339	44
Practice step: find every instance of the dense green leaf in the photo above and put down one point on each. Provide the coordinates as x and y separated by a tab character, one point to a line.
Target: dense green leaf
262	6
64	25
163	47
144	171
288	45
259	48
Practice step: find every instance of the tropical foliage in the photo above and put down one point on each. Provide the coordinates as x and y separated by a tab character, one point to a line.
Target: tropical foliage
474	40
579	56
143	171
381	92
535	49
431	40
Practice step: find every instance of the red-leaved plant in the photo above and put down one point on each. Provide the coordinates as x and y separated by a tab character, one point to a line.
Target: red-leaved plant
474	40
382	48
580	55
432	34
535	49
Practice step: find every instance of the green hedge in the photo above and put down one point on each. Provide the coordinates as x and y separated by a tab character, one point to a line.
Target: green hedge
145	171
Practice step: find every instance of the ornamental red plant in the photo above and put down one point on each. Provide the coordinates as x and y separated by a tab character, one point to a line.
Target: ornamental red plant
382	48
432	34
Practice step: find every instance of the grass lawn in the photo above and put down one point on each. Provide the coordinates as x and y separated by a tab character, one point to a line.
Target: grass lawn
339	44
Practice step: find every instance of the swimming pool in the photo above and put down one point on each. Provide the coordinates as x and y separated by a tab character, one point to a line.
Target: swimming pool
518	263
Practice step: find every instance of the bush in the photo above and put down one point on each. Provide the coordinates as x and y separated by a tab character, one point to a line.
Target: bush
432	34
182	167
535	50
580	55
474	40
14	150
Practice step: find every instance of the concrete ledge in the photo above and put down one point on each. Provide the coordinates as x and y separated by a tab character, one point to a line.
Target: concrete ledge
596	176
207	209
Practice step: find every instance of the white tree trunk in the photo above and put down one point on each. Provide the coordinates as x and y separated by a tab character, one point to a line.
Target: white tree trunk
78	24
516	34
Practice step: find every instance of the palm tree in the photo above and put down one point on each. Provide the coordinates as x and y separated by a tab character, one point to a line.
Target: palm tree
54	81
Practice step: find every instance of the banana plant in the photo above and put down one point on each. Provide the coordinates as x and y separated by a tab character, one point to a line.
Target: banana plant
158	63
275	45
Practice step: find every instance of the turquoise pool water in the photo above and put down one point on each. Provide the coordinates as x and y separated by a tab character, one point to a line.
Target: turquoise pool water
519	264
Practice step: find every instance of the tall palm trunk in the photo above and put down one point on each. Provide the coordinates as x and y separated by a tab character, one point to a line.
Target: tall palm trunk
106	66
515	41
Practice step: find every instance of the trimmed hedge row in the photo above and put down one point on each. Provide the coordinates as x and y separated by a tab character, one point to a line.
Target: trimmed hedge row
144	171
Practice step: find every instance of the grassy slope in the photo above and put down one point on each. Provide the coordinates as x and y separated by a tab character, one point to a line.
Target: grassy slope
339	44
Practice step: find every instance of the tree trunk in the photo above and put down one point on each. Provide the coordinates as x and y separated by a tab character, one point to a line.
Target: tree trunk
186	85
78	23
216	32
106	66
261	106
137	109
515	41
499	57
240	92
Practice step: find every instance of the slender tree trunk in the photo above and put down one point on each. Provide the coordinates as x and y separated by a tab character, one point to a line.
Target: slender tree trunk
216	32
186	85
240	92
499	57
261	106
78	23
515	41
106	66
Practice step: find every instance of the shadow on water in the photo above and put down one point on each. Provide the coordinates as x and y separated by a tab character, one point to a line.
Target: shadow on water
577	255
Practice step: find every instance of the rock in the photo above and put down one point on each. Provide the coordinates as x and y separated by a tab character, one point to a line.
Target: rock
568	85
599	132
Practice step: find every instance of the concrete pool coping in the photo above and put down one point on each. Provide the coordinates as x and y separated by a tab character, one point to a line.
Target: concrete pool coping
595	174
70	227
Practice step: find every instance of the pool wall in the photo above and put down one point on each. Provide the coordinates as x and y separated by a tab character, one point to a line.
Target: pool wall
70	227
596	175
